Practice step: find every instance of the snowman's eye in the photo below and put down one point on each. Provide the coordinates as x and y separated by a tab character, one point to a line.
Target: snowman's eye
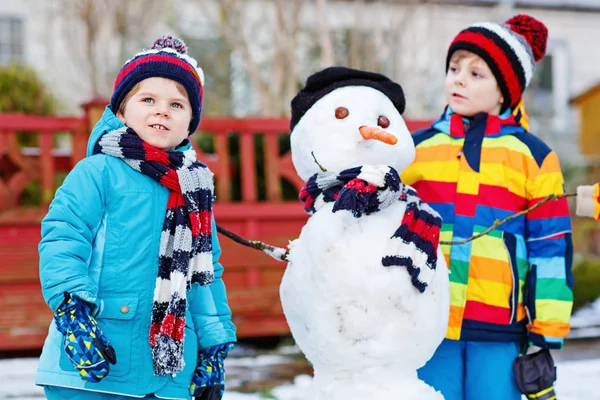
383	122
341	112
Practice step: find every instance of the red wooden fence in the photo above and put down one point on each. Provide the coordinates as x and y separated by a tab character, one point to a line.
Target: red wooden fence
252	278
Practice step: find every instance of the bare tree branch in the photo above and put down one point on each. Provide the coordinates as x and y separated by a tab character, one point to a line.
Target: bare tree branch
232	16
274	80
278	253
324	36
497	223
93	26
281	254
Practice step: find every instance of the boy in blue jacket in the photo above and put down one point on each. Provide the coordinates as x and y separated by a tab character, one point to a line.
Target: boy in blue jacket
129	253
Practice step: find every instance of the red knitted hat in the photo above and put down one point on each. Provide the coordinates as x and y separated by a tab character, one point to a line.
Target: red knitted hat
510	49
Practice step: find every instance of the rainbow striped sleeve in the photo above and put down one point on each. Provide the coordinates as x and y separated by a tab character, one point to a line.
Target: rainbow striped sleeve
588	201
550	252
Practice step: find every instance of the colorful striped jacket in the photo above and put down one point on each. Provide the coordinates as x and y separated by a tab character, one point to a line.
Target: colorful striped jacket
514	284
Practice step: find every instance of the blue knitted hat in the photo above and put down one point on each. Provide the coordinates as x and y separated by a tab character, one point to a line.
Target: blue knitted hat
166	58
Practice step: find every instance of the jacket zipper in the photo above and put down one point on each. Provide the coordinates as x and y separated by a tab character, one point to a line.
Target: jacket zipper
513	306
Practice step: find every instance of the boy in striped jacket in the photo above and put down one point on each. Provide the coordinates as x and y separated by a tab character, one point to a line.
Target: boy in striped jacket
478	163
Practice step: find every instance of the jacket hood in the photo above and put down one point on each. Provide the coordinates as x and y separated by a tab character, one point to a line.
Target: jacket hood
109	122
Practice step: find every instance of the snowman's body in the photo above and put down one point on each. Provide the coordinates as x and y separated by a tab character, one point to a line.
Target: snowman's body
365	328
354	318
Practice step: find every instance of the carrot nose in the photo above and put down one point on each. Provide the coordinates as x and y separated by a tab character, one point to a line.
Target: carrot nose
368	132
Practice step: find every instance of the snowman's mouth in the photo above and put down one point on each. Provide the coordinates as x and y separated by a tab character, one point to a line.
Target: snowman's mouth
369	133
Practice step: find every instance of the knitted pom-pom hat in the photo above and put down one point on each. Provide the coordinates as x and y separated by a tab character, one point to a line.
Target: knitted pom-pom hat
510	49
166	58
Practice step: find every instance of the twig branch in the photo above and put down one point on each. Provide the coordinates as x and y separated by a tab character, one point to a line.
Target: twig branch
497	223
327	58
281	254
312	153
278	253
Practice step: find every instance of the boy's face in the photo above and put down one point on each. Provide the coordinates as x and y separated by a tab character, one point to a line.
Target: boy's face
470	86
159	113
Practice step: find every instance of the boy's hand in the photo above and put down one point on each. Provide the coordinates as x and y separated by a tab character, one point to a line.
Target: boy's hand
208	382
84	343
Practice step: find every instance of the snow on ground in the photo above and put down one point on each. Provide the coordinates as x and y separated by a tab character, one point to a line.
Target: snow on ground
576	380
586	321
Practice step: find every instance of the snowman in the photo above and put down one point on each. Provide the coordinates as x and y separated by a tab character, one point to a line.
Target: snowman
366	288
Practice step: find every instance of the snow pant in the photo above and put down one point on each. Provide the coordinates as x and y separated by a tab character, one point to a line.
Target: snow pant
61	393
463	370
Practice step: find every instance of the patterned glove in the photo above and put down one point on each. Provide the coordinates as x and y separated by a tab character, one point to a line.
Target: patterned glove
208	382
84	343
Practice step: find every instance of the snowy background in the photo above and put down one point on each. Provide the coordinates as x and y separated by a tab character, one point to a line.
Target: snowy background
283	373
577	379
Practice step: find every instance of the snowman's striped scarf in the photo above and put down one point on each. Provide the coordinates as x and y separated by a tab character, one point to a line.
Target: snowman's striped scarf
368	189
185	255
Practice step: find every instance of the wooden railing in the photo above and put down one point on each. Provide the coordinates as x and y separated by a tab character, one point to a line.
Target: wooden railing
252	278
275	167
20	167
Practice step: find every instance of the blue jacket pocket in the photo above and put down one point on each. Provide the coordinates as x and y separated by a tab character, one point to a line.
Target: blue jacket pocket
115	320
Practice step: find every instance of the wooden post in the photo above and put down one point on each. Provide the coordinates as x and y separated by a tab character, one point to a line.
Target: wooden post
247	167
47	173
224	173
271	162
93	111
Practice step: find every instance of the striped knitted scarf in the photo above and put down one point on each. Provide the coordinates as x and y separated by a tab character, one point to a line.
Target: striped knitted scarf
369	189
185	255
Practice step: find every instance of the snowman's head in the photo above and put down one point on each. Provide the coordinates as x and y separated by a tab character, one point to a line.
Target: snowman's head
354	121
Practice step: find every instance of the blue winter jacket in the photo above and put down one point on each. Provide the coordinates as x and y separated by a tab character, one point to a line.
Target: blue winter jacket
100	242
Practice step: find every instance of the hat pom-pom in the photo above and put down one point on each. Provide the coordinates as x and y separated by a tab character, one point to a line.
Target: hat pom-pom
170	42
534	31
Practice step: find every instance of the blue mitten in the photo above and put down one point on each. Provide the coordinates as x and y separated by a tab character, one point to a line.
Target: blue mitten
208	382
84	343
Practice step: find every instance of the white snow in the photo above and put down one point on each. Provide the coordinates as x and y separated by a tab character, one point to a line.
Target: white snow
588	316
265	359
585	323
336	144
355	320
350	315
576	380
